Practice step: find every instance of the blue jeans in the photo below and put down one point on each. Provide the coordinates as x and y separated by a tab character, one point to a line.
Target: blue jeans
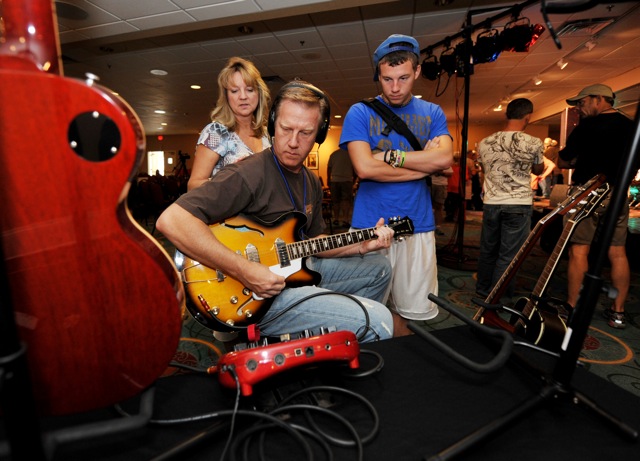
366	278
504	230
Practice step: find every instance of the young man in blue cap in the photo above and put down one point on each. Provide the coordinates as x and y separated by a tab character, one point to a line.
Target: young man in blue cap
598	145
392	175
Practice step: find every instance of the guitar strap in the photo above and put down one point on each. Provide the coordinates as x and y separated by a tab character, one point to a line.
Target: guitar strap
394	122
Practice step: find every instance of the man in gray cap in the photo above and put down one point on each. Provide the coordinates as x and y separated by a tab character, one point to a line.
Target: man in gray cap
393	175
598	145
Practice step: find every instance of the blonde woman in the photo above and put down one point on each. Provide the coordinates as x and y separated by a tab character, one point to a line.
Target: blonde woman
238	122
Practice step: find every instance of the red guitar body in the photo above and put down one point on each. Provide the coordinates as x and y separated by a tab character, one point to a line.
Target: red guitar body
97	301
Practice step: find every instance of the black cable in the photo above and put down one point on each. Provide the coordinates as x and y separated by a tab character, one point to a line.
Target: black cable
336	441
232	372
373	370
279	423
188	367
358	442
245	437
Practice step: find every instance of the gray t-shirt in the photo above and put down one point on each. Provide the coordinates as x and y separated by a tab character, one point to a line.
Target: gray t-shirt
261	188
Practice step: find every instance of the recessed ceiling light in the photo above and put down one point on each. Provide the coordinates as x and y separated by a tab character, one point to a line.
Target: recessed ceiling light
337	116
195	87
163	124
159	72
159	111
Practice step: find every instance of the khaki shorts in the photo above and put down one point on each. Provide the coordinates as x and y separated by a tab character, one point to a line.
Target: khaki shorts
586	229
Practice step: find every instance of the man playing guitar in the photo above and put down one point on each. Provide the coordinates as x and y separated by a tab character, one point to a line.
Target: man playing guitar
265	187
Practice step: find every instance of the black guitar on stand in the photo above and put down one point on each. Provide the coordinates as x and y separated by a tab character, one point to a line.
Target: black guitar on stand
535	319
489	316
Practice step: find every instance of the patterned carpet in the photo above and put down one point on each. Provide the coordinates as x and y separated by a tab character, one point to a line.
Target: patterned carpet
611	354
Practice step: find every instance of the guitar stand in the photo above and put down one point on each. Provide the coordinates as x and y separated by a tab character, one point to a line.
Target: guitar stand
558	385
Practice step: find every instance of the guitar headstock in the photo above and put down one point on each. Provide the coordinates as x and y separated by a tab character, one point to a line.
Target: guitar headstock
588	204
401	226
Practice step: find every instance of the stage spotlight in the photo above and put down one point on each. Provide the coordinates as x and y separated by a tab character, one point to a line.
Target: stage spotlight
487	47
430	68
448	61
519	35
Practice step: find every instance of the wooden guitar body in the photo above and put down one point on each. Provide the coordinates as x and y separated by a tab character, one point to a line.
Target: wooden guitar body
544	327
222	303
218	301
96	300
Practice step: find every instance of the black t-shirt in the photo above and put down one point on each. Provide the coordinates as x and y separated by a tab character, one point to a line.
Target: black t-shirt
260	188
599	144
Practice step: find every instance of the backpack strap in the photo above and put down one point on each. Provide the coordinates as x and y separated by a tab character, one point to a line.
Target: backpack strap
393	122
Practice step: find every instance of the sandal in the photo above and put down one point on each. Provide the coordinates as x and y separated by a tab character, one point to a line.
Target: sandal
615	319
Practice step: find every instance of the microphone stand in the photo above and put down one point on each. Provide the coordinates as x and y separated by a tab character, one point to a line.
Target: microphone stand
558	385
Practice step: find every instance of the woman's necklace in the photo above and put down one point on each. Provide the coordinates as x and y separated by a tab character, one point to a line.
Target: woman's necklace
286	183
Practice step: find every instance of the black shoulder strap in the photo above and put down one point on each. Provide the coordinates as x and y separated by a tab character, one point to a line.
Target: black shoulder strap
393	121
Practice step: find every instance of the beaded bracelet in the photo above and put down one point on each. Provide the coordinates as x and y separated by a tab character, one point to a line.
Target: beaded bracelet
393	158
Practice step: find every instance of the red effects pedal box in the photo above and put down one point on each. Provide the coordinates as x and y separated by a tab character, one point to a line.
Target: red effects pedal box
255	363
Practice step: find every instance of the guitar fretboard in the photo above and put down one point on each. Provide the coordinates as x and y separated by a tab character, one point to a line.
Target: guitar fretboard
314	246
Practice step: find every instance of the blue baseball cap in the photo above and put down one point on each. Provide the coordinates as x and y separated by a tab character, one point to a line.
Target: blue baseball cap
395	42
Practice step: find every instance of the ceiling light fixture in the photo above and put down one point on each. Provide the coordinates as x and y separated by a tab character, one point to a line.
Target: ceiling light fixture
562	64
519	35
487	47
498	108
448	61
430	68
195	87
537	81
158	72
590	45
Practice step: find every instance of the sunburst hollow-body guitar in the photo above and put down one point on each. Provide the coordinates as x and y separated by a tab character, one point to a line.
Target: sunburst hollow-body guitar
220	302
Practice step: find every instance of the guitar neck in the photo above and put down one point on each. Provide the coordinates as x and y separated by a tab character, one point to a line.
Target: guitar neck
553	260
544	278
41	49
525	249
317	245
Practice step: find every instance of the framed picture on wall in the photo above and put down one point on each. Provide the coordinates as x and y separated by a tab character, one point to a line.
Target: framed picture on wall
312	161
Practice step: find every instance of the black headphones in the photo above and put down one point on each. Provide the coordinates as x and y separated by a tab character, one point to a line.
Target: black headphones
324	126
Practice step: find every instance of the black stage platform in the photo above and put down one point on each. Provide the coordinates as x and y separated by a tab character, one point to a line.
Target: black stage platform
425	403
